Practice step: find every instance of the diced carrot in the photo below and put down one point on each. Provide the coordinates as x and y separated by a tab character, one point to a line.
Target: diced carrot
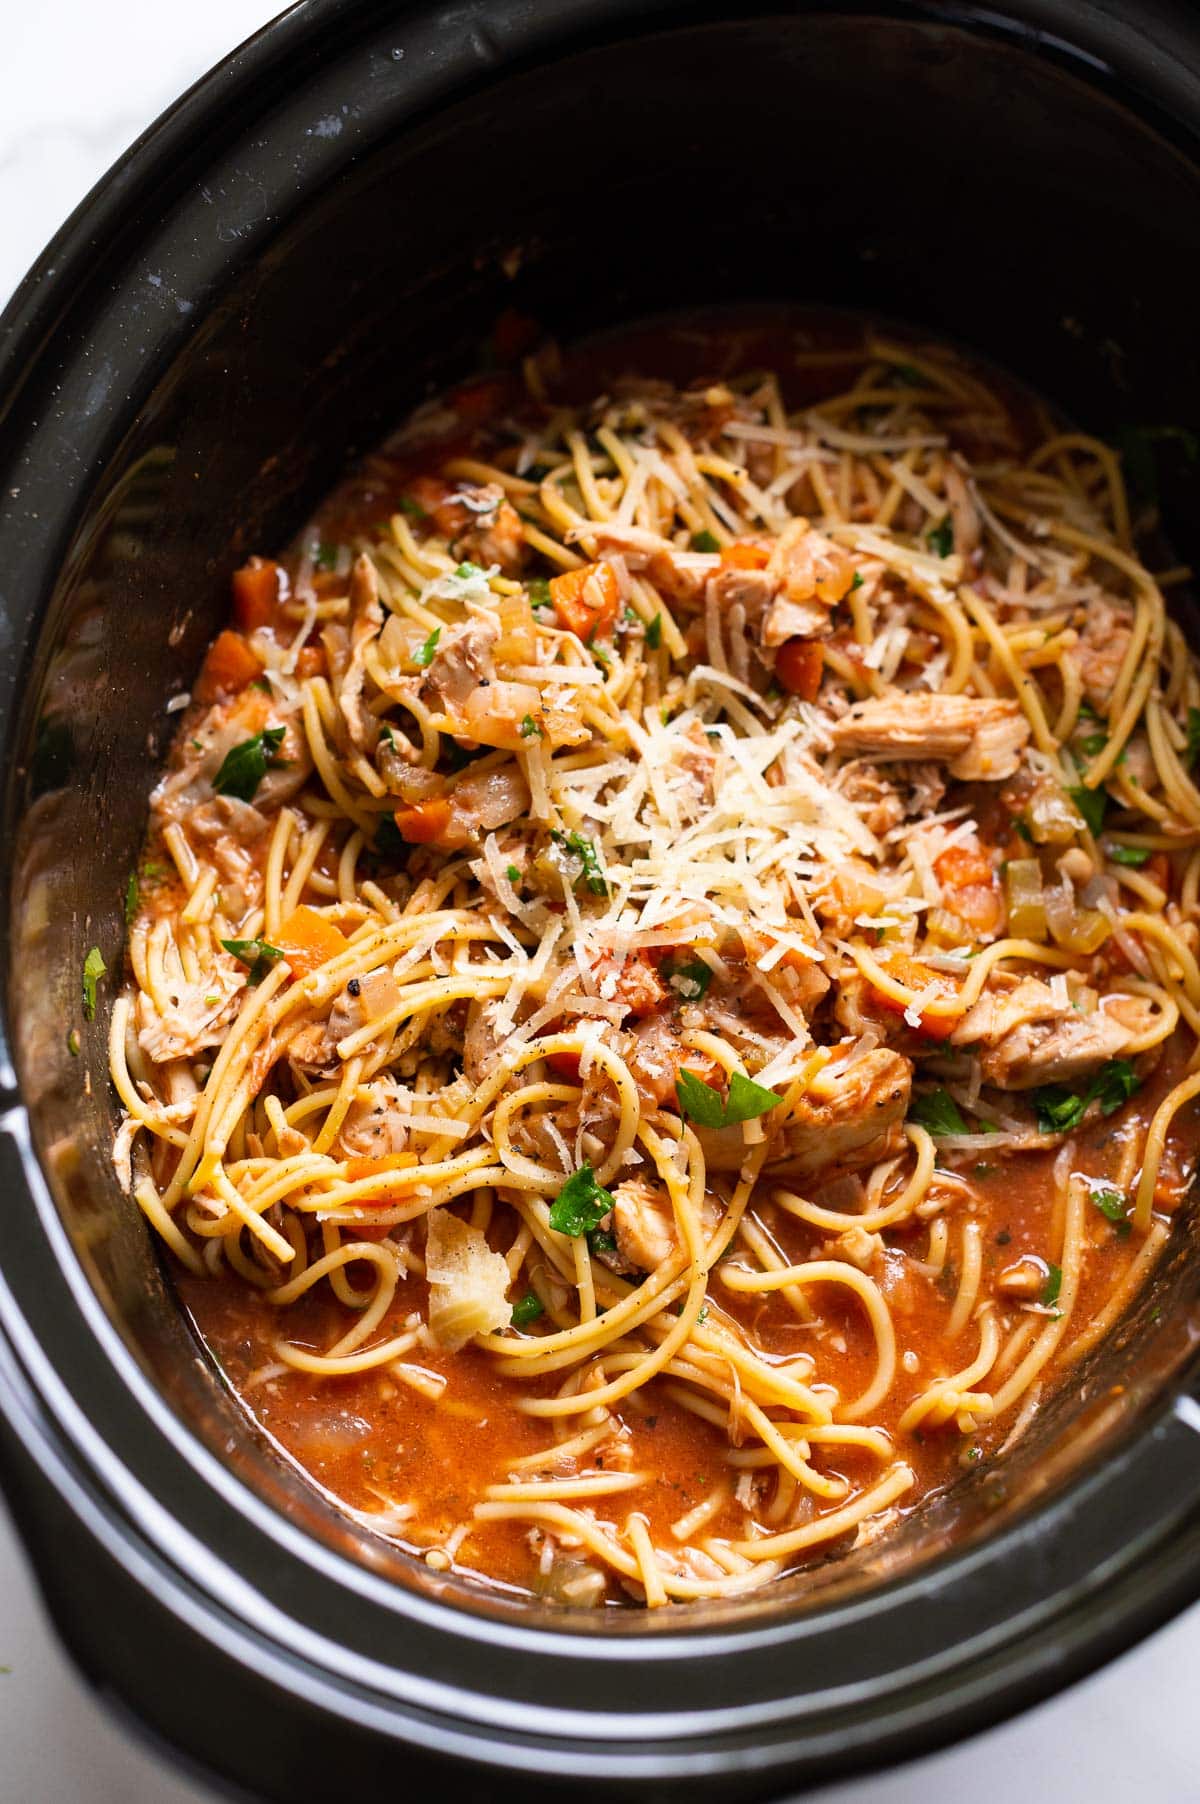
565	1065
308	940
961	865
586	599
229	666
918	977
798	666
637	985
310	661
744	554
256	593
424	821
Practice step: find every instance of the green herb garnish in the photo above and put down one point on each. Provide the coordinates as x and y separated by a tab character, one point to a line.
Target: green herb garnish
527	1310
1136	856
938	1112
255	953
1092	805
73	1042
856	581
705	541
94	968
513	874
580	1205
689	981
325	557
1060	1109
245	766
1052	1286
423	656
588	857
1113	1207
539	592
702	1104
940	538
530	728
654	633
412	508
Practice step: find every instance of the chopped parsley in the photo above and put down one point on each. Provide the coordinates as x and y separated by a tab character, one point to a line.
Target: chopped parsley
466	571
601	1241
389	842
245	765
856	582
412	508
539	592
1112	1206
938	1112
132	898
940	538
1052	1286
1092	805
527	1310
705	541
423	656
94	968
705	1106
1060	1109
530	728
654	633
1130	855
255	953
1092	744
589	860
325	557
513	874
580	1205
689	981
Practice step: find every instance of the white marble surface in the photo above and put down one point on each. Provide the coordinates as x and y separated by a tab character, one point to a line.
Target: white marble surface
78	80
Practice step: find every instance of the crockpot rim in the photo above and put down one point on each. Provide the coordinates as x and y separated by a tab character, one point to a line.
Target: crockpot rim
129	184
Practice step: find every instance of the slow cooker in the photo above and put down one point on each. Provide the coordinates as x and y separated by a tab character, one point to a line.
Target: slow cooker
320	231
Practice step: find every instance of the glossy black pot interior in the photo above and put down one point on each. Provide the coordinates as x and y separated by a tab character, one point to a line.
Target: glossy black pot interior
268	282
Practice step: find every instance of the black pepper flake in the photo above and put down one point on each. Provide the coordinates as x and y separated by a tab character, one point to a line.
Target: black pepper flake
1003	1237
354	986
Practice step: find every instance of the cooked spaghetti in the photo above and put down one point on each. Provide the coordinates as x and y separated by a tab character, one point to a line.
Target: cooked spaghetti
663	981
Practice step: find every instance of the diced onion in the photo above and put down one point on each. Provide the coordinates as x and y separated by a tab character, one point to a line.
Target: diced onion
1052	818
1075	929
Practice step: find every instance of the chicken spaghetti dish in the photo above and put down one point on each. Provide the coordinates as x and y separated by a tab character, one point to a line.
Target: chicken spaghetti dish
661	1002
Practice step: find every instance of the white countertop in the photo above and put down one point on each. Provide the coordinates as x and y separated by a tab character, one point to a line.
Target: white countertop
78	80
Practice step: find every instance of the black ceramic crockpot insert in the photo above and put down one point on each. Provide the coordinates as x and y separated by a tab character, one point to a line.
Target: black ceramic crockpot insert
320	231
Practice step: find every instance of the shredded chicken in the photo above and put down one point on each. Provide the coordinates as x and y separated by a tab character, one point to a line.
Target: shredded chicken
974	736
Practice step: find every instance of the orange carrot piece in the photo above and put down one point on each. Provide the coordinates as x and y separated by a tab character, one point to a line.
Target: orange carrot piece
744	554
961	865
308	941
586	599
256	592
917	977
229	666
424	821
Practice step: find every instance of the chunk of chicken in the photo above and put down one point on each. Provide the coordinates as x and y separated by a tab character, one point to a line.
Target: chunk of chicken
999	1012
203	751
643	1223
230	833
462	661
1058	1052
1101	647
374	1126
976	738
482	1039
843	1118
751	590
810	569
